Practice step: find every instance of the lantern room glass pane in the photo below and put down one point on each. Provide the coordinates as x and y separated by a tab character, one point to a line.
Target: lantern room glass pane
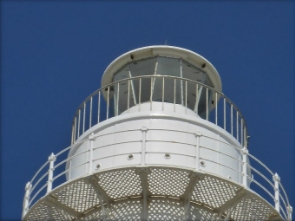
133	69
191	72
208	81
185	93
122	74
141	68
167	66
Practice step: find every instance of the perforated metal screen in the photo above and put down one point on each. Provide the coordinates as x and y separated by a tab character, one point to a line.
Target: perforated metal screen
157	193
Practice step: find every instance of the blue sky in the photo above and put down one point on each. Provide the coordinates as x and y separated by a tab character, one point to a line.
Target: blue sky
54	54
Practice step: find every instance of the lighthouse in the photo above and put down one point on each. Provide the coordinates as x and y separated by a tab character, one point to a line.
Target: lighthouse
158	141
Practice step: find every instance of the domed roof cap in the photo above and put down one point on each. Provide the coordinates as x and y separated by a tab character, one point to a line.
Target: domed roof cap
162	50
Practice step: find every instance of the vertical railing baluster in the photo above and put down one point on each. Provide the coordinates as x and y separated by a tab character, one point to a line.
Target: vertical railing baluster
181	82
139	96
231	119
242	137
151	95
197	99
84	111
241	131
26	203
108	101
216	111
174	94
79	119
75	128
118	98
224	113
185	97
207	104
245	137
51	160
90	113
98	108
163	88
128	94
73	135
237	125
276	180
132	88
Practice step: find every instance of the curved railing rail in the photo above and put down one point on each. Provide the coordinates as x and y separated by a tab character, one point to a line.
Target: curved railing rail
117	97
264	182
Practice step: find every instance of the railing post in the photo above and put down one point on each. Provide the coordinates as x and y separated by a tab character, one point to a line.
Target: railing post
27	198
51	160
91	137
108	100
289	211
197	151
224	113
245	165
84	117
143	145
163	89
117	99
207	105
139	95
276	180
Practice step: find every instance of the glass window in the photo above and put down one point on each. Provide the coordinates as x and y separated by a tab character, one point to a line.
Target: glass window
208	81
122	74
133	69
167	66
160	66
191	72
141	68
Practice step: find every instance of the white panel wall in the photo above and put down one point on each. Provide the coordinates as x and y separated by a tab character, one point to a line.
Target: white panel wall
175	134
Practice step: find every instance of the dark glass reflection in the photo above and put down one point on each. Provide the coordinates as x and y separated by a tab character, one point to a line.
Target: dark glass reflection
186	93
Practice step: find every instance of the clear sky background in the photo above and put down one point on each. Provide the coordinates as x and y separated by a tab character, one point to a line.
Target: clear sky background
54	54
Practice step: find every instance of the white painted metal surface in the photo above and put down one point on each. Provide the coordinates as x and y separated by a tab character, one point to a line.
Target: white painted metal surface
158	141
190	141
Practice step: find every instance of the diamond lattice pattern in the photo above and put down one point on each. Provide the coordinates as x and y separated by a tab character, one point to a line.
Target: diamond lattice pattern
168	182
213	192
120	183
163	209
79	196
46	212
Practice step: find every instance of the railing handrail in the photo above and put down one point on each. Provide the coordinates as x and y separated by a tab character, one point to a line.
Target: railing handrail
35	192
100	91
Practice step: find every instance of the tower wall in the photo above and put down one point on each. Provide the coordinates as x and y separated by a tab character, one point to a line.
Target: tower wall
157	137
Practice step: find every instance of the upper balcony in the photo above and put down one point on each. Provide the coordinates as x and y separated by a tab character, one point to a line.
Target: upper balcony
164	81
165	74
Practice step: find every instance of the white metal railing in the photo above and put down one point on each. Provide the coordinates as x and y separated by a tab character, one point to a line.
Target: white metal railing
52	174
121	95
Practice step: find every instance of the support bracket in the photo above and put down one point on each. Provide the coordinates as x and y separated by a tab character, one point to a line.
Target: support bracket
194	178
240	194
143	173
52	201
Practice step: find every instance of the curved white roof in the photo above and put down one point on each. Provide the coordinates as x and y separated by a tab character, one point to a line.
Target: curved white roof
162	50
